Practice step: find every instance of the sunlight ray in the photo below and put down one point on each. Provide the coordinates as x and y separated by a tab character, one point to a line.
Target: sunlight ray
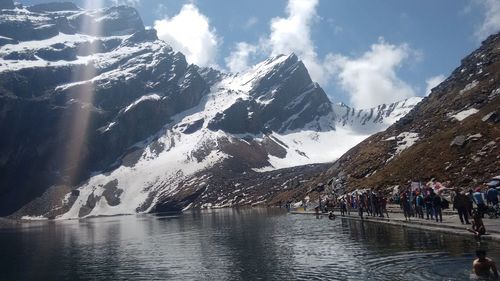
81	106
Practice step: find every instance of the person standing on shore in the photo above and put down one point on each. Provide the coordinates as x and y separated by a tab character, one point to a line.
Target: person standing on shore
460	204
360	205
419	205
405	205
492	195
383	206
470	202
370	207
436	206
348	204
376	205
428	206
479	200
343	207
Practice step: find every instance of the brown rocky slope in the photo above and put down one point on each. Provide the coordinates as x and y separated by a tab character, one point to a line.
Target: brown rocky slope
431	141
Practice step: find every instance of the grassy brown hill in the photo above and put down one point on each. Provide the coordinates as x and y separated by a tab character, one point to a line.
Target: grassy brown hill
465	152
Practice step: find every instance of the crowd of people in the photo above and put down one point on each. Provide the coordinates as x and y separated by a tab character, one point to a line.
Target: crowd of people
367	202
370	202
421	202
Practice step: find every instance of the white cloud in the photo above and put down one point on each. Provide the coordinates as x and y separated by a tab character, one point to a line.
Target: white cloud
371	79
491	22
251	22
433	82
190	33
133	3
239	59
287	35
293	34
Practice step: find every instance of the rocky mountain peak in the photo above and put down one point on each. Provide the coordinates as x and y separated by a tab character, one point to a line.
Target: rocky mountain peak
43	21
277	95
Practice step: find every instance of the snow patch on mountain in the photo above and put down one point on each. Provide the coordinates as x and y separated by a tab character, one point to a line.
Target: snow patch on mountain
464	114
403	141
469	87
152	176
311	147
141	99
372	120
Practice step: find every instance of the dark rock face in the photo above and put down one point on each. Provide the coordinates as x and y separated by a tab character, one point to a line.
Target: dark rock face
112	193
228	188
91	202
53	7
39	118
283	99
194	126
40	29
44	21
119	20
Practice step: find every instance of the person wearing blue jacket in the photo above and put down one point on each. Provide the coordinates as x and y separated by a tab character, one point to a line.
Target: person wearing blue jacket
478	199
492	196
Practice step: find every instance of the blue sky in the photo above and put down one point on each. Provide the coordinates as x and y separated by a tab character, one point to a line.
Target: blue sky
362	52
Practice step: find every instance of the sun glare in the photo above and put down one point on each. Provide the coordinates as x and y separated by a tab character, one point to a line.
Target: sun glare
80	104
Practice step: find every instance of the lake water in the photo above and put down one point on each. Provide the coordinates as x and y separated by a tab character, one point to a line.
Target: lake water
231	244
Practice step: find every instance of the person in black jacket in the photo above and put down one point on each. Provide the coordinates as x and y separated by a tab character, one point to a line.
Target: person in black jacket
428	206
460	204
436	206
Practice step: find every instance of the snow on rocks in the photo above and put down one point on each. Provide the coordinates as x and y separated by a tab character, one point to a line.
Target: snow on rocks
464	114
148	179
493	117
468	87
34	218
308	147
141	99
405	140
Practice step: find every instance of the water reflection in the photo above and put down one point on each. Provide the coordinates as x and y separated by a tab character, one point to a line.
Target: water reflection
233	244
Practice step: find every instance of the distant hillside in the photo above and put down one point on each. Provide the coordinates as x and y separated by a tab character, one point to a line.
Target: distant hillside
453	134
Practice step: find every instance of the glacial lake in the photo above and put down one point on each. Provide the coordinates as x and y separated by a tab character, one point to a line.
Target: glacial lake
231	244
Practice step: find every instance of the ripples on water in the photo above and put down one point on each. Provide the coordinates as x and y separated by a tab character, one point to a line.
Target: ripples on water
248	244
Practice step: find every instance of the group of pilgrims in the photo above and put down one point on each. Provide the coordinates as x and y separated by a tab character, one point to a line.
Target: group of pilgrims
417	201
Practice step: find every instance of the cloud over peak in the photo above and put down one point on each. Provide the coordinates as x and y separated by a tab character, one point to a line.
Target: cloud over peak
190	33
491	21
372	79
369	80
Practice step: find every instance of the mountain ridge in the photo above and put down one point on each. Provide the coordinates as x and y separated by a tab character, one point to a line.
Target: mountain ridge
110	120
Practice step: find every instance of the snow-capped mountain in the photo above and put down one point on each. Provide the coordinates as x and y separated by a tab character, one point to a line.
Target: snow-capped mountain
103	118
